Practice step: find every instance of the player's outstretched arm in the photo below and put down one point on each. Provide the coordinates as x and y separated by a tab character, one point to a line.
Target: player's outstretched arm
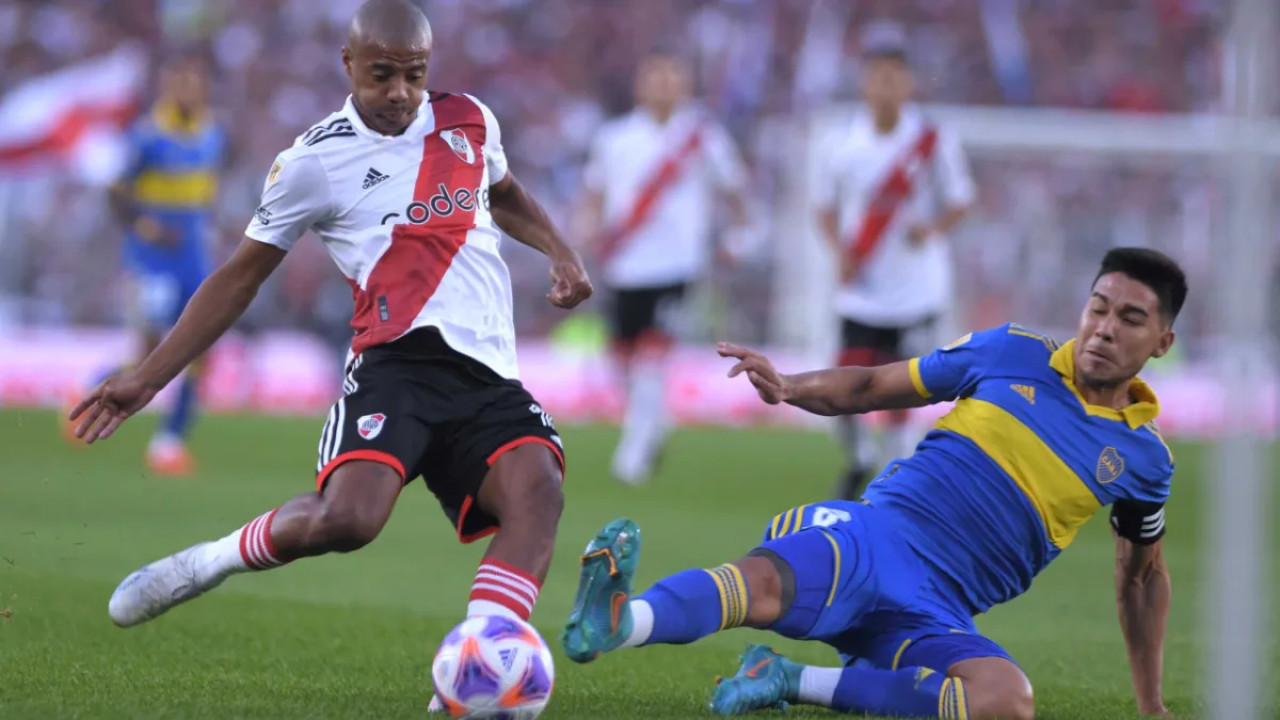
1143	592
221	299
837	391
521	217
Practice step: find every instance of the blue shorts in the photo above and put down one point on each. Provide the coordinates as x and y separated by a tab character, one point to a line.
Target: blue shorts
862	590
159	298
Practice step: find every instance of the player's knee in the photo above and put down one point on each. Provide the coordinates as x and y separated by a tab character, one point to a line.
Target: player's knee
354	506
342	528
764	588
1018	706
1012	700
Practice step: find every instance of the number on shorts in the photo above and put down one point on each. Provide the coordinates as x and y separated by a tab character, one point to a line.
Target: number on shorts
826	517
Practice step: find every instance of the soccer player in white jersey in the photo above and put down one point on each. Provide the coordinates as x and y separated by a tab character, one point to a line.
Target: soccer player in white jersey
893	187
651	180
407	190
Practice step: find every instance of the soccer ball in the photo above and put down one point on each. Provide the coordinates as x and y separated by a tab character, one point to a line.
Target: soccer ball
493	667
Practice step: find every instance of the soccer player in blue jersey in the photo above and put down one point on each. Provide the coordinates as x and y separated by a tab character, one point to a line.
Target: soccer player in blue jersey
165	202
1040	438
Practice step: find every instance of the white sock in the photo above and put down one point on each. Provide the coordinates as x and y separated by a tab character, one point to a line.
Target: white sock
486	607
645	423
249	548
502	589
221	558
641	623
646	401
818	685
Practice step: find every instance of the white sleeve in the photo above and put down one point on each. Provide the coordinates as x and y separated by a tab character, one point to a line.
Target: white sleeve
726	164
295	196
954	179
495	158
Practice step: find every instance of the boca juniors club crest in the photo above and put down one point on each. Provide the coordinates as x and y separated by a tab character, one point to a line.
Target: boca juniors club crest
370	425
458	143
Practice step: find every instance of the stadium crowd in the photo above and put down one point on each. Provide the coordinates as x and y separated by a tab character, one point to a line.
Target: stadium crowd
552	70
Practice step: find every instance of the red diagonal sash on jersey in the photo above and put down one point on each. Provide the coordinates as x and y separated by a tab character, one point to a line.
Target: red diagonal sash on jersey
407	275
669	170
894	189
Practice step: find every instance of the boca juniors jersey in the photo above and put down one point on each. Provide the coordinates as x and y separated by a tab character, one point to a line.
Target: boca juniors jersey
173	178
1005	480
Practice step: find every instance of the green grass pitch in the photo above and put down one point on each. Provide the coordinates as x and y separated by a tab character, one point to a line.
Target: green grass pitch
352	636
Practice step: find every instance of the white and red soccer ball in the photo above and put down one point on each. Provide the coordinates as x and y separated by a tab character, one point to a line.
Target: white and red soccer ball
493	667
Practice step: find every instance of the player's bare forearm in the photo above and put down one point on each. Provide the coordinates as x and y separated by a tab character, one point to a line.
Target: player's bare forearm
853	390
838	391
221	299
522	217
1143	593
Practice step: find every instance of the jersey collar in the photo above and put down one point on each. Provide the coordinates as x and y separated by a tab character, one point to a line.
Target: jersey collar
1144	408
416	128
167	118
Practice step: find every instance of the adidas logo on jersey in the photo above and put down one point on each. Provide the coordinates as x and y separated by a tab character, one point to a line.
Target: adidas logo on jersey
373	177
1028	392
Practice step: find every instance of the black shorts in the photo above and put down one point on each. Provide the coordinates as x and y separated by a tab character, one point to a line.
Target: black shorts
637	311
427	410
869	345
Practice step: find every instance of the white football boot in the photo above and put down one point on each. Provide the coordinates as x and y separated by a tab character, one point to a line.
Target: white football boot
151	591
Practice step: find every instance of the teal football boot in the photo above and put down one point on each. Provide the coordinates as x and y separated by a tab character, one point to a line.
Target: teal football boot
601	617
765	680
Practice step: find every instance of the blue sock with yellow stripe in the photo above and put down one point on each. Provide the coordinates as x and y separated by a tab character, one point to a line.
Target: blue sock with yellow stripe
907	692
696	603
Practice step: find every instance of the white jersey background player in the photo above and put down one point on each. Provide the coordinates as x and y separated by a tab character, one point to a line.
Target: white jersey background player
893	186
652	180
407	190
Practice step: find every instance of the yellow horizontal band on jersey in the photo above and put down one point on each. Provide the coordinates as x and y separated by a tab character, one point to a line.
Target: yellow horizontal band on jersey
913	367
177	190
1062	499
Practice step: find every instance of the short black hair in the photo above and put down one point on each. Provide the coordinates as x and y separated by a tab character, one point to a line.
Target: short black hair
1152	268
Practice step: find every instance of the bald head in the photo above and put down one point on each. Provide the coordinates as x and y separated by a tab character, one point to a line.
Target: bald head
386	57
390	23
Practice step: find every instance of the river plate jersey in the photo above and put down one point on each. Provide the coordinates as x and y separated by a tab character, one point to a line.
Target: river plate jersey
1005	480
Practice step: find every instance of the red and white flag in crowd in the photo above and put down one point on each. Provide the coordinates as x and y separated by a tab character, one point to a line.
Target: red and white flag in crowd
73	118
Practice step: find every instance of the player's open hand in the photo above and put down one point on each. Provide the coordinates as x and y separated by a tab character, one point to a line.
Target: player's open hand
111	403
569	282
772	386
